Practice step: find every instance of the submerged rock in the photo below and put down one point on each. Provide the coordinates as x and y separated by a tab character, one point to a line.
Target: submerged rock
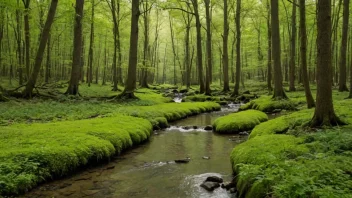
195	127
206	157
245	133
210	186
228	186
183	161
186	127
208	128
214	179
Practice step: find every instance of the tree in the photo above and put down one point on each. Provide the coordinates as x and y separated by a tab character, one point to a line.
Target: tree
27	93
91	47
293	47
130	85
343	71
303	36
238	48
77	50
225	55
27	36
279	92
269	62
324	114
209	64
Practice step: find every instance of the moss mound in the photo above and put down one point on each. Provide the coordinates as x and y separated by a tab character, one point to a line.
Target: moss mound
267	104
238	122
33	153
317	165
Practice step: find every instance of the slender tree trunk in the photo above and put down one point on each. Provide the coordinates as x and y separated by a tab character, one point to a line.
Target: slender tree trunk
303	30
27	36
130	84
146	62
27	93
269	78
279	92
209	65
293	48
48	60
77	50
199	47
238	48
91	47
115	32
225	55
119	58
173	48
343	70
324	114
19	45
164	66
187	55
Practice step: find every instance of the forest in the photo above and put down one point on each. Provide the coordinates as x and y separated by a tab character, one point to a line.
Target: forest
175	98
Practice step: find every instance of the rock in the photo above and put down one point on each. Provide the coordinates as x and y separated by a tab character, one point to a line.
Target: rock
186	127
244	133
208	128
210	186
276	110
195	127
214	179
206	157
233	190
228	186
183	161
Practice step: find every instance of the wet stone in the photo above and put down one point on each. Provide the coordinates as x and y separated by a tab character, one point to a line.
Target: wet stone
208	128
183	161
228	186
210	186
206	157
214	179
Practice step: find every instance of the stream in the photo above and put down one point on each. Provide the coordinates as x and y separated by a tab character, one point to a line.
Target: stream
150	171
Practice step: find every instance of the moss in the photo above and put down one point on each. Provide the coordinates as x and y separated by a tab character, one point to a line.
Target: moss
241	121
267	104
33	153
202	98
282	124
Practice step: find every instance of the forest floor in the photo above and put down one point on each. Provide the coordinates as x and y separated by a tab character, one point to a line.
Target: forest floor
285	158
43	139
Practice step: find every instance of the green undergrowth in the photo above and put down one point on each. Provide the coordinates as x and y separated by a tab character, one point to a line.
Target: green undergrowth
238	122
30	154
267	104
282	159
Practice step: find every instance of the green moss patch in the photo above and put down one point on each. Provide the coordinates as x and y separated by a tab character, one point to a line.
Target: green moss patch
30	154
241	121
316	165
267	104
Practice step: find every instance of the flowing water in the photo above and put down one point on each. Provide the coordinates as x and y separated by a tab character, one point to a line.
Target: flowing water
150	171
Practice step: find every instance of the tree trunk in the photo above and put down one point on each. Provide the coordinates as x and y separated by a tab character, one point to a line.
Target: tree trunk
293	48
343	71
324	114
146	62
27	36
91	47
269	50
130	84
225	55
199	47
115	32
238	48
77	50
279	92
303	30
27	93
48	60
19	45
209	65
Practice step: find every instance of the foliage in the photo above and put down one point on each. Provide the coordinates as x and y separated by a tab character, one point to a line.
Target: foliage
241	121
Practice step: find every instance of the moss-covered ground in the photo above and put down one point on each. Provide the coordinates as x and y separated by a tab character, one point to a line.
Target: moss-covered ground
238	122
283	158
45	139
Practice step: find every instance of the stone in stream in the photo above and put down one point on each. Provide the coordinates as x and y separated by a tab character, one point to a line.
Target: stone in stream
208	128
206	157
210	186
214	179
244	133
186	127
195	127
183	161
233	190
228	186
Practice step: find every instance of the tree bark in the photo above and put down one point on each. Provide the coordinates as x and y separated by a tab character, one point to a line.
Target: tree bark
91	47
303	31
27	37
199	47
130	84
344	41
324	114
209	65
238	48
48	60
225	55
27	93
115	33
146	51
279	92
293	48
269	75
77	50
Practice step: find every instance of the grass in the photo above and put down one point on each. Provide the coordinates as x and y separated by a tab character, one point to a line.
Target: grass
238	122
283	159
